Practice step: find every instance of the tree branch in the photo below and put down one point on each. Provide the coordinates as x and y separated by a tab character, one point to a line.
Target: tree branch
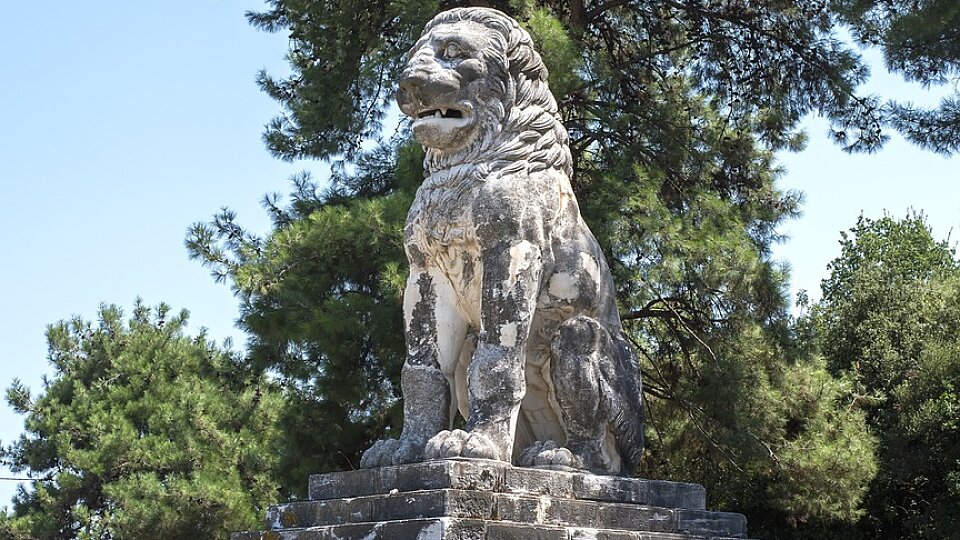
606	6
648	311
578	18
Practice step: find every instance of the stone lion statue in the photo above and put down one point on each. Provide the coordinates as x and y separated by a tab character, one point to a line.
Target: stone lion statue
509	308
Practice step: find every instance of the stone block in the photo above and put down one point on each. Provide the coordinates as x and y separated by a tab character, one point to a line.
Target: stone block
516	531
467	529
636	518
599	534
510	507
482	475
667	536
610	488
569	512
307	534
326	512
676	494
538	482
395	506
478	474
338	485
727	524
411	505
422	476
637	491
439	503
392	529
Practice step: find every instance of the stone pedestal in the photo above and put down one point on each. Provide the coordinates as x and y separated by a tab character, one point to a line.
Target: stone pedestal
490	500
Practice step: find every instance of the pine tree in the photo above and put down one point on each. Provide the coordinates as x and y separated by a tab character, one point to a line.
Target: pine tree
141	432
921	41
675	110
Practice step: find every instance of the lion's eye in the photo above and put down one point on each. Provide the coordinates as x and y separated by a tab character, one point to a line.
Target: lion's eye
452	50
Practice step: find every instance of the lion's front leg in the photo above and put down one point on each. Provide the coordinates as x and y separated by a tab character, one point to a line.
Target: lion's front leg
495	378
435	331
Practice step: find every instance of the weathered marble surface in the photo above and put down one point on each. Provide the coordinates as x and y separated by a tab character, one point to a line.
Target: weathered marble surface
481	499
510	309
499	477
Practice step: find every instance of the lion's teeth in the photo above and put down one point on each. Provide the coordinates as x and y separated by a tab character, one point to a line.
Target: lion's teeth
438	114
443	112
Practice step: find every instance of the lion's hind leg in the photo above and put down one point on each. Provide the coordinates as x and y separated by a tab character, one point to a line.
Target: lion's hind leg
578	350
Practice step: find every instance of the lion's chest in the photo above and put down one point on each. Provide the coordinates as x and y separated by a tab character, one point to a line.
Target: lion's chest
441	228
441	216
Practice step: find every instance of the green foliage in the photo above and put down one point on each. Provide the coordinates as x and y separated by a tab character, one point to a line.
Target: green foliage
889	321
342	348
921	41
346	59
321	297
141	432
772	439
560	52
777	60
675	110
874	315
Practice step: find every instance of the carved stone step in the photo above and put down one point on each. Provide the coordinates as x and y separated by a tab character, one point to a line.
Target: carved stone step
487	505
500	477
469	529
491	500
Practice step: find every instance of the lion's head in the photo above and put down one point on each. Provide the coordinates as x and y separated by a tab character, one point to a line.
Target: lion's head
477	91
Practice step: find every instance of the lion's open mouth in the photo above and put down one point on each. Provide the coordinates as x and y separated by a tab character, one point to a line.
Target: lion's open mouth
443	127
440	113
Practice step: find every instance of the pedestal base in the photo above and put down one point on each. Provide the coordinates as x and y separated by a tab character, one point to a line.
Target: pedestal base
490	500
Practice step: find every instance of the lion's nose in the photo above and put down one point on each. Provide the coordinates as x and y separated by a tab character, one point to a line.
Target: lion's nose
412	81
425	87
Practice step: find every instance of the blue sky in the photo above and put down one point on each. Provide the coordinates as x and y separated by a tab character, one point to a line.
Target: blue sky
125	122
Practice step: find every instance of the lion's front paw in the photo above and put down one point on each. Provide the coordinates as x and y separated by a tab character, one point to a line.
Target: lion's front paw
459	443
549	455
391	452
